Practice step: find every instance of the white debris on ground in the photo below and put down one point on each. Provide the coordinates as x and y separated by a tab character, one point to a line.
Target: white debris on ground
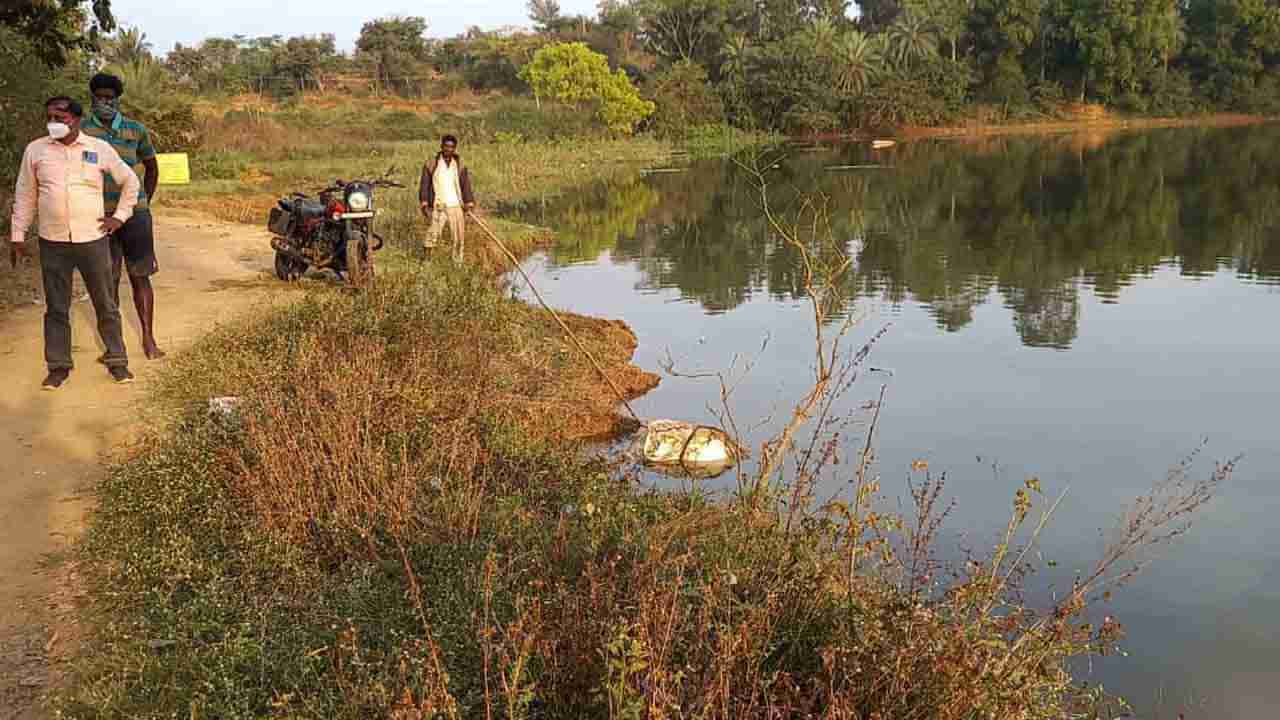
223	407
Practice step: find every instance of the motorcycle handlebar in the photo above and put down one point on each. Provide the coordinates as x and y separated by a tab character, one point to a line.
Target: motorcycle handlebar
341	184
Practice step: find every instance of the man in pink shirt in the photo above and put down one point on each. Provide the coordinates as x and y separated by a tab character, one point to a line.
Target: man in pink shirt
61	182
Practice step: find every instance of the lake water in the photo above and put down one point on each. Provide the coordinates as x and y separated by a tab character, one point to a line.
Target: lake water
1083	309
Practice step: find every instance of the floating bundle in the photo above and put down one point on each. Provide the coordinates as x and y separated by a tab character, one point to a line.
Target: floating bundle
699	450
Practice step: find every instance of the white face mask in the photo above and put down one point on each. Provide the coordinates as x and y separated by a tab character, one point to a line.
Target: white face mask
58	130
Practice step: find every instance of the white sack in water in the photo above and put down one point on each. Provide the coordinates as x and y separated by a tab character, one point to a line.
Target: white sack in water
695	447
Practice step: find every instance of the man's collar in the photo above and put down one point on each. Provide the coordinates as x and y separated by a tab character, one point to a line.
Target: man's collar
78	141
116	121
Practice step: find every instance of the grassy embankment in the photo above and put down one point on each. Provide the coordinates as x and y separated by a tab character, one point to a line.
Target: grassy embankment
394	526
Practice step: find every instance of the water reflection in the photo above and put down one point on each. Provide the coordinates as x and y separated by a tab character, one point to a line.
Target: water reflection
1028	222
1154	258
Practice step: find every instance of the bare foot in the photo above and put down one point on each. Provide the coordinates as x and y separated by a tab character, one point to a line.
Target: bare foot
152	351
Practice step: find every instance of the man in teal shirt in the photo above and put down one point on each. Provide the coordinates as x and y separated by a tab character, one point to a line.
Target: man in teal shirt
132	246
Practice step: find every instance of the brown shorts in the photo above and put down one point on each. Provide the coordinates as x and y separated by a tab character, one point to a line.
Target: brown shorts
135	243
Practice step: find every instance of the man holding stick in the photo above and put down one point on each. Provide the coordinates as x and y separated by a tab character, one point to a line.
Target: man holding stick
445	196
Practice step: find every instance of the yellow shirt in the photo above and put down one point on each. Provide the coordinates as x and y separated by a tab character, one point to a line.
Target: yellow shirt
63	185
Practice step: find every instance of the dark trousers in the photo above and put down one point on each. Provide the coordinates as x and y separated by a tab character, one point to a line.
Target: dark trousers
58	260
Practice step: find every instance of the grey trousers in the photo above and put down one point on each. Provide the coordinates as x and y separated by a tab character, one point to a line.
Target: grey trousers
58	260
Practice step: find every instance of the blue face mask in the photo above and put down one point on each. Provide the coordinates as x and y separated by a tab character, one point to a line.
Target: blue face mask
105	110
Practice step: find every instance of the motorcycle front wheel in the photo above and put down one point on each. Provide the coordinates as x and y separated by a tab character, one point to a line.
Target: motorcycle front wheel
359	259
289	268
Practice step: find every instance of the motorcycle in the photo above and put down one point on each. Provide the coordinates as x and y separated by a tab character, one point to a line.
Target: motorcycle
332	231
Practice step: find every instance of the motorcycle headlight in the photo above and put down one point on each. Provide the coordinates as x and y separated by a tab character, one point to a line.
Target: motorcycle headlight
358	201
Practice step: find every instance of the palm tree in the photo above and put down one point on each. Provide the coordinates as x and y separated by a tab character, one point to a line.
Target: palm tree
733	69
824	35
128	47
856	60
911	38
733	62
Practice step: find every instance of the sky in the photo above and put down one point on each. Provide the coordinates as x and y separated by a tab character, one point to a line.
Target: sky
189	21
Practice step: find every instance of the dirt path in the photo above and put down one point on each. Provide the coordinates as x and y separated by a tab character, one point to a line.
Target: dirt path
52	444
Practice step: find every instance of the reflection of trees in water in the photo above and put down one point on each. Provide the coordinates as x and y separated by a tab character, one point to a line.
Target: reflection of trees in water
1045	317
592	223
1034	220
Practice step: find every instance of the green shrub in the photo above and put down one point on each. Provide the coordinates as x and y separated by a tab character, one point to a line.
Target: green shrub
220	165
575	75
550	122
683	98
932	92
1133	102
1006	85
804	118
1174	95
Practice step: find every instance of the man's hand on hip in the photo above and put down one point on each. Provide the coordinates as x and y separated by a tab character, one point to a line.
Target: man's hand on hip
109	225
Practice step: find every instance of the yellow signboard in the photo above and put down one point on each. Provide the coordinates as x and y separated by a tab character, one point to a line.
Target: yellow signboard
174	169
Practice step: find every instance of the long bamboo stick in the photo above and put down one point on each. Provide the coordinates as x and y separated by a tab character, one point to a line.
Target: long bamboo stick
516	262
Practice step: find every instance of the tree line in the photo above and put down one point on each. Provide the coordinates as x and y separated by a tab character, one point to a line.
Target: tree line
785	65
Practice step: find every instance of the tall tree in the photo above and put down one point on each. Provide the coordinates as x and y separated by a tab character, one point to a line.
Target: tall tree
303	60
54	28
620	19
1003	31
545	14
1118	45
693	30
396	47
1232	43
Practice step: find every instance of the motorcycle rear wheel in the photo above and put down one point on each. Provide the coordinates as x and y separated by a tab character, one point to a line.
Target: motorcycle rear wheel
289	268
